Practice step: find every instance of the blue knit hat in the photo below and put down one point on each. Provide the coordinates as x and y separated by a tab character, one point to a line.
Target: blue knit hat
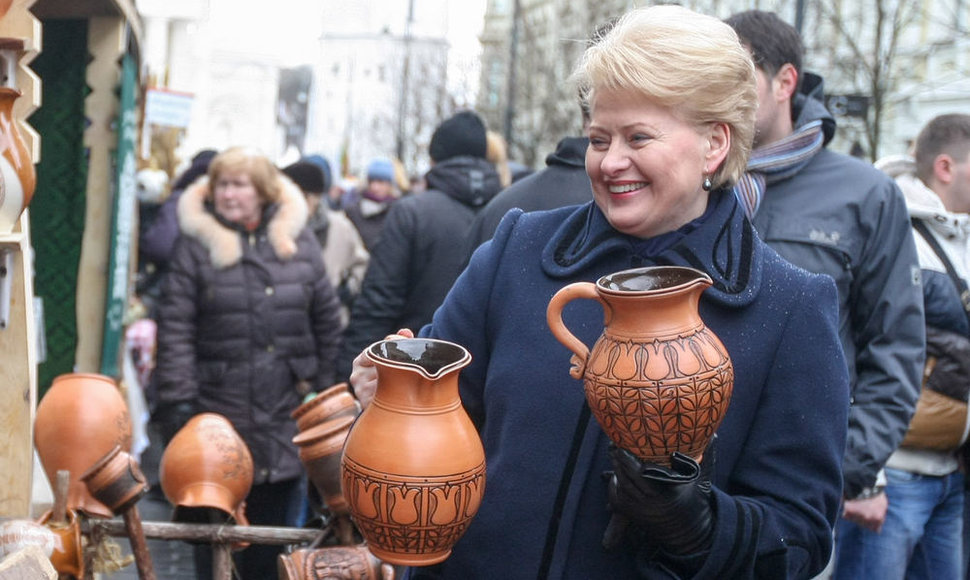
324	165
380	169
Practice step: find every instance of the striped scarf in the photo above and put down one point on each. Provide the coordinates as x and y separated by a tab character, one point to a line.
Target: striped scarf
777	161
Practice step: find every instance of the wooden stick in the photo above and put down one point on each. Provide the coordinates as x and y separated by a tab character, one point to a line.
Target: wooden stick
143	558
221	562
212	533
61	487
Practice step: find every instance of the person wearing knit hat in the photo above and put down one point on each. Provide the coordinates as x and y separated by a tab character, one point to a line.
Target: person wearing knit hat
380	169
370	203
344	253
421	248
462	134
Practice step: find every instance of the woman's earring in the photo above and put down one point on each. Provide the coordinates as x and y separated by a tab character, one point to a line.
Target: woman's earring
707	185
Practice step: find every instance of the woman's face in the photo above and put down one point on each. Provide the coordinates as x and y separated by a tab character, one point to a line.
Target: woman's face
236	198
647	165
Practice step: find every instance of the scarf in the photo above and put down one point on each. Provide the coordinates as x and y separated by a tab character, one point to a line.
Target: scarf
777	161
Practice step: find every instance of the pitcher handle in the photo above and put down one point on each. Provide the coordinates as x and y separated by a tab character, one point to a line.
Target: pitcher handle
559	300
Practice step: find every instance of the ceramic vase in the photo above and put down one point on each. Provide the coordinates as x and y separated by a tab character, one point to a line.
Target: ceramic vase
79	420
206	471
413	468
333	562
17	175
657	379
330	403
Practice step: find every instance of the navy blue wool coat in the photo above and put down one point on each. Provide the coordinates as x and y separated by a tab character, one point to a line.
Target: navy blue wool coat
777	480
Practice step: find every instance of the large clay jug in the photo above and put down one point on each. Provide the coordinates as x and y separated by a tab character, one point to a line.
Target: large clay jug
413	468
657	379
17	176
79	420
206	471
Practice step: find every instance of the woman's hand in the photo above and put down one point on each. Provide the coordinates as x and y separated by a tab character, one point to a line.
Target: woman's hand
363	377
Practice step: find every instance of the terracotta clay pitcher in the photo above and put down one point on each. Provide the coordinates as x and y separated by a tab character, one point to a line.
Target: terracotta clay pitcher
206	471
413	468
657	379
79	420
17	175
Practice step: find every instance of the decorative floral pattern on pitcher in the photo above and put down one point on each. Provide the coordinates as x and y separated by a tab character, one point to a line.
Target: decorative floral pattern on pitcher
658	380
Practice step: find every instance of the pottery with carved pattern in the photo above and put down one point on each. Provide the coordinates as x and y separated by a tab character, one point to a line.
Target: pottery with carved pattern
413	467
657	379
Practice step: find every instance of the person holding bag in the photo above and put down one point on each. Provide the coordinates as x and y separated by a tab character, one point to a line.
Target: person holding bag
921	535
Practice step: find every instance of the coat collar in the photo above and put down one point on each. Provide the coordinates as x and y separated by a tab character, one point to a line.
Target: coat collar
282	223
724	245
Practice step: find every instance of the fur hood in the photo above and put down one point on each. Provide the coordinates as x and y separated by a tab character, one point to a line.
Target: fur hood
224	243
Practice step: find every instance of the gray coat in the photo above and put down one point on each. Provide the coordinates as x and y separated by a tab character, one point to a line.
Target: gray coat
245	319
842	217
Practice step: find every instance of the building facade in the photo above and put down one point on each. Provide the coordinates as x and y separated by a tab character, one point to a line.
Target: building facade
889	65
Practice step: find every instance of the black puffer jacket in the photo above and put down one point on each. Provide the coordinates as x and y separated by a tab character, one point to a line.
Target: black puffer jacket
419	255
245	318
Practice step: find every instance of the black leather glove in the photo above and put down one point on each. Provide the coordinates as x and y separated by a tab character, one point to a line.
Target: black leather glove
673	505
171	416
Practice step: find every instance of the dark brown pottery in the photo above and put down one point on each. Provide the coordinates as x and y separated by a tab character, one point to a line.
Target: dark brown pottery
336	562
336	401
657	380
81	418
413	465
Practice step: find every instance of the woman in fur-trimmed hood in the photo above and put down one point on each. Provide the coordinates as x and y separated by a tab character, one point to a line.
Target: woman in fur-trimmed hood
248	325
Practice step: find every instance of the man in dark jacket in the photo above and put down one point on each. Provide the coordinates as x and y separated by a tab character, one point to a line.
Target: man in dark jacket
421	249
562	182
836	215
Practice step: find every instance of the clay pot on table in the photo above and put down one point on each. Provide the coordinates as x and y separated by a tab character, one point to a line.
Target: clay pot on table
80	419
413	467
658	380
206	471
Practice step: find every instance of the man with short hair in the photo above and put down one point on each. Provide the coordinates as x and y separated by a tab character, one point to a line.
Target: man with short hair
833	214
921	537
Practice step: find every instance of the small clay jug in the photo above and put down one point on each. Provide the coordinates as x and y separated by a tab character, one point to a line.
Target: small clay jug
17	175
206	471
413	467
79	420
116	480
333	402
320	449
657	379
333	562
68	554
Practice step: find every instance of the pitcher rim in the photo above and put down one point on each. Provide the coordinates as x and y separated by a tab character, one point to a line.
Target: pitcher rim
458	364
702	277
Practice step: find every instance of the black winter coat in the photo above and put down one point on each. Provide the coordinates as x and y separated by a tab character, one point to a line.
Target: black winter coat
419	255
248	321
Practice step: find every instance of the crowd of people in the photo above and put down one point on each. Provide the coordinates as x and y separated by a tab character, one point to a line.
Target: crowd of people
839	291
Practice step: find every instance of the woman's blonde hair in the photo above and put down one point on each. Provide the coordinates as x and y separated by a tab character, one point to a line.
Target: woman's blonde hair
261	171
690	63
496	153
